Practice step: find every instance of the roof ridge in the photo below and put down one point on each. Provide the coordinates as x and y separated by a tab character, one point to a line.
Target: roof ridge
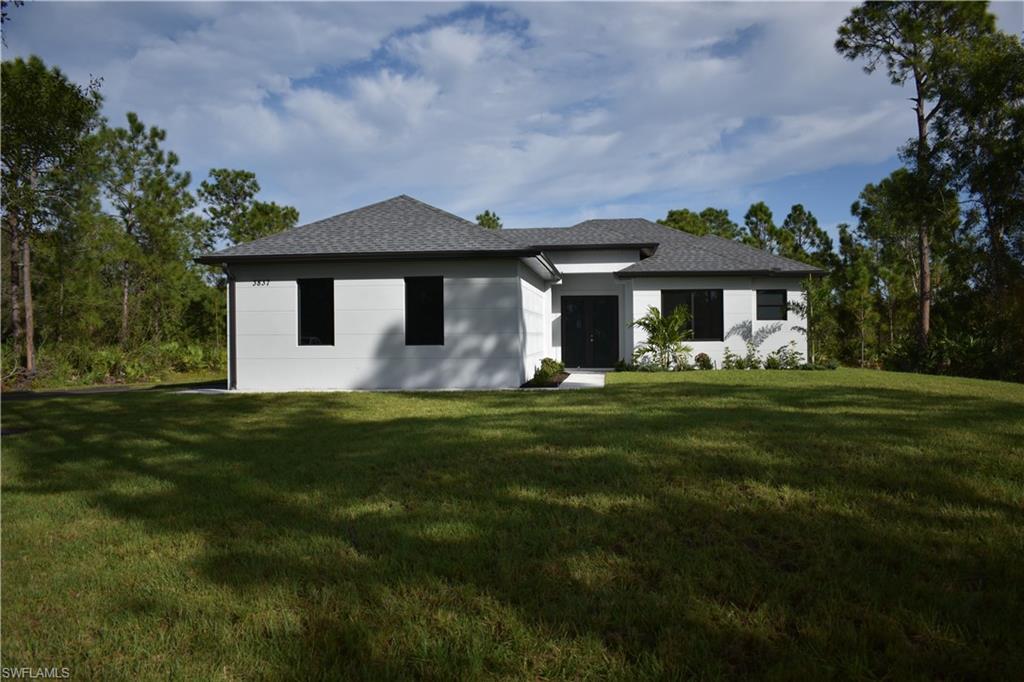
468	223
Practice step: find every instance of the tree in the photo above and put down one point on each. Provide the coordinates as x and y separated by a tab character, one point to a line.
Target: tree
759	228
856	290
684	220
980	133
909	38
889	213
719	223
150	199
980	141
804	240
264	219
663	346
709	221
46	119
234	214
489	220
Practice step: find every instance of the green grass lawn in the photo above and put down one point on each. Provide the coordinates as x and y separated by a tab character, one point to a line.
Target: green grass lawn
706	524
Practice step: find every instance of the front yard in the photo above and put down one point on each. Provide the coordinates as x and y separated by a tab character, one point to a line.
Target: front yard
707	524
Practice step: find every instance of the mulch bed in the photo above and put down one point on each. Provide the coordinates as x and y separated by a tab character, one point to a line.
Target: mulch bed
554	383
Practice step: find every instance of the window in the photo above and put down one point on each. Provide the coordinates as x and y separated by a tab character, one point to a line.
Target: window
424	311
316	312
771	304
705	308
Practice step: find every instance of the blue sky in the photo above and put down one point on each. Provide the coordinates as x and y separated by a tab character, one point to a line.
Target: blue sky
547	113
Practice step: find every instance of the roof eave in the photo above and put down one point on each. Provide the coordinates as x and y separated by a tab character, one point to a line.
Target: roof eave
718	273
597	247
218	259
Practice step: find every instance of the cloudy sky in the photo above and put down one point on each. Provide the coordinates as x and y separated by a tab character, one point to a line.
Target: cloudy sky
547	113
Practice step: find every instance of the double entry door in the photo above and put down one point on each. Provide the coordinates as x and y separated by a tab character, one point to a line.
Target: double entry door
590	331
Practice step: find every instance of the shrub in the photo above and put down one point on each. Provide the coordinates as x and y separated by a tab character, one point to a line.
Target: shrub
785	357
547	371
820	366
751	361
703	361
71	364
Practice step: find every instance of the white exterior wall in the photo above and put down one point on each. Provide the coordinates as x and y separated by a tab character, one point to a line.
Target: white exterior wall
534	299
595	260
482	325
739	295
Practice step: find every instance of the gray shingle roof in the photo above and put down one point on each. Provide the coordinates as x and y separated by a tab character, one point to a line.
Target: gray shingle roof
397	226
677	251
592	233
405	227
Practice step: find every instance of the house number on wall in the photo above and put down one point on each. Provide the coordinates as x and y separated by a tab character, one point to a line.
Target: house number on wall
261	283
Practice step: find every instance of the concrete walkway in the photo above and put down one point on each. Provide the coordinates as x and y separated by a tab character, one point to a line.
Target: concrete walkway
583	379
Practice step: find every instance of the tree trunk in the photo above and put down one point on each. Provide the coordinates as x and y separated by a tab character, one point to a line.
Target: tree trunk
924	250
17	329
124	306
26	286
925	299
861	325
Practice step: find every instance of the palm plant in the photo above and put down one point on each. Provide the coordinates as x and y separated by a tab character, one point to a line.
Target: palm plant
664	347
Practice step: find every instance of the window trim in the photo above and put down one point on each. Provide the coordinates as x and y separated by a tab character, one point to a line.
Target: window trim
691	292
758	305
298	311
432	341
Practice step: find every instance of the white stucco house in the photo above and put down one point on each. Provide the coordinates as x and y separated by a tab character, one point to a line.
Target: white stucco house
400	294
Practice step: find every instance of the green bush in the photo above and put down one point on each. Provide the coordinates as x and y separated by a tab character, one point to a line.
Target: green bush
71	364
703	361
547	371
786	357
664	348
820	366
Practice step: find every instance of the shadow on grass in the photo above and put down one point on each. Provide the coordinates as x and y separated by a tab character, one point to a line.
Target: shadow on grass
667	529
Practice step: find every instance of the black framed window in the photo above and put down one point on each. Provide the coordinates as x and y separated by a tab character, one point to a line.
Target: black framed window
424	311
316	312
771	304
705	308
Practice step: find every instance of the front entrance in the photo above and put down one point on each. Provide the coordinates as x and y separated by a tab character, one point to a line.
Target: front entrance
590	331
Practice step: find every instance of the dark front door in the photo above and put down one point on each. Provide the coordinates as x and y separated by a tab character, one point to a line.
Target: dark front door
590	331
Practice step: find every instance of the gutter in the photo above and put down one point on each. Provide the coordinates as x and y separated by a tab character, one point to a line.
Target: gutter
543	259
624	274
224	259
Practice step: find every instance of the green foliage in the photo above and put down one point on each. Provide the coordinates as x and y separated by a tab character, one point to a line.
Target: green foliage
703	361
663	347
732	361
232	212
759	228
69	363
489	220
546	373
709	221
785	357
908	37
45	128
802	239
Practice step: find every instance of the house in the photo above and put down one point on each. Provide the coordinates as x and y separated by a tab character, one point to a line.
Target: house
400	294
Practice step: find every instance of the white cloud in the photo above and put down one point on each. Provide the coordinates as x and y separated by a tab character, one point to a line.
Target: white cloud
543	111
